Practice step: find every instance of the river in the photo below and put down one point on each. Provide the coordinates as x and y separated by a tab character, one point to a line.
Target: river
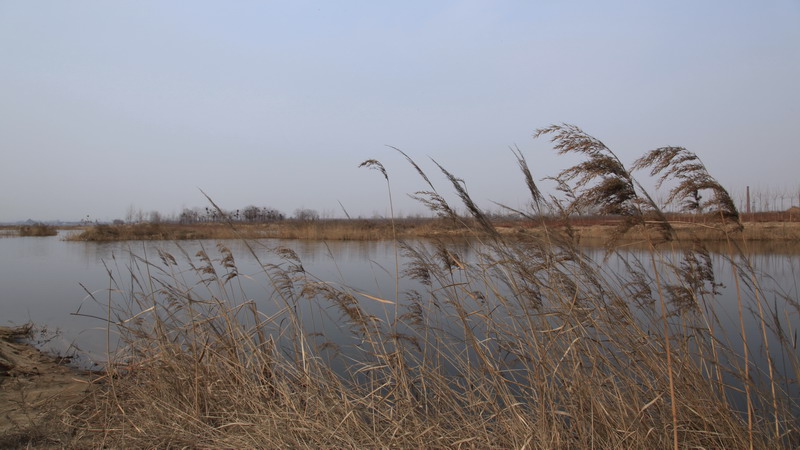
64	287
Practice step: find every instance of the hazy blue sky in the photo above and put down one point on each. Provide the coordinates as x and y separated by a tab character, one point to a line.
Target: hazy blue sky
104	105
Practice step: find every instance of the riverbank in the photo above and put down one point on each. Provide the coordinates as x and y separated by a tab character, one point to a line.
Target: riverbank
688	232
381	229
34	389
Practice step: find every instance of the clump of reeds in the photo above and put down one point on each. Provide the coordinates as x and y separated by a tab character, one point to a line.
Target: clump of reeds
528	343
323	229
139	231
166	231
37	229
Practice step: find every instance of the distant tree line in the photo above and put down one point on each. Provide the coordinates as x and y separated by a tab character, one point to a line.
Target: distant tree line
253	214
761	200
248	214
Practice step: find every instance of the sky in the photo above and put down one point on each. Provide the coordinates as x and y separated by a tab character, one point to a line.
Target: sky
107	107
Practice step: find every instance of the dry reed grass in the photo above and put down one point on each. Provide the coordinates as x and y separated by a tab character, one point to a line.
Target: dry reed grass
591	230
155	231
532	344
325	229
37	229
685	232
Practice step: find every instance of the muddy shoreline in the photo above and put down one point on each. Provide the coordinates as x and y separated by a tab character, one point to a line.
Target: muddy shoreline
35	389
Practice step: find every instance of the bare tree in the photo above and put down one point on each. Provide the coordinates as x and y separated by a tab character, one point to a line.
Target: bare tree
251	213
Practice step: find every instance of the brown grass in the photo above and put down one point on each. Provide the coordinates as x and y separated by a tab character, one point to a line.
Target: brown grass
685	232
338	229
37	229
590	229
530	344
564	358
155	232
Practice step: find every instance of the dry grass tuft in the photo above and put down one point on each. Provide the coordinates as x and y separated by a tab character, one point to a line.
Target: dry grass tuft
37	229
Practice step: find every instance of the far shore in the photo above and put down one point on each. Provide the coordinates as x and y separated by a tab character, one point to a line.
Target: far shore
589	230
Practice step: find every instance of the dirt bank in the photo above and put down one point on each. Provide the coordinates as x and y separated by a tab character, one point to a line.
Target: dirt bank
34	389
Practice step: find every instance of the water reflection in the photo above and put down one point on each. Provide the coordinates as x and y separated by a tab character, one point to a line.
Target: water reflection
46	280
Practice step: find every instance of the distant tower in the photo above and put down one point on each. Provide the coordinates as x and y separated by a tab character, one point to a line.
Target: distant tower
748	200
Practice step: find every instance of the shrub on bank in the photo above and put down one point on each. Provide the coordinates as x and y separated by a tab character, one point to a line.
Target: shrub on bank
38	229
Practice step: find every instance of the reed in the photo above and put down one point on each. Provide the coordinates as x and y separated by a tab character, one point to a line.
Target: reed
529	343
591	230
320	229
155	231
37	229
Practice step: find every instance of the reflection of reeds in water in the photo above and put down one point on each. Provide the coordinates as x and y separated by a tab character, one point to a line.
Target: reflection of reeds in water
528	344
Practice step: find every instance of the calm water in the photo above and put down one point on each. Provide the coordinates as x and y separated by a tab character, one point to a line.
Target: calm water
46	280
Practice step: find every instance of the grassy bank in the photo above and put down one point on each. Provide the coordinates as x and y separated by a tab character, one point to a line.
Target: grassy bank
157	232
381	229
37	229
340	229
527	344
688	232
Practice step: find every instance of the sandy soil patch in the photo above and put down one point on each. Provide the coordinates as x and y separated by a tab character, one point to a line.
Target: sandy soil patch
34	389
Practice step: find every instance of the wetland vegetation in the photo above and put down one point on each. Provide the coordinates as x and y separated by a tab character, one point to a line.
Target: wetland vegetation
529	343
35	229
589	229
